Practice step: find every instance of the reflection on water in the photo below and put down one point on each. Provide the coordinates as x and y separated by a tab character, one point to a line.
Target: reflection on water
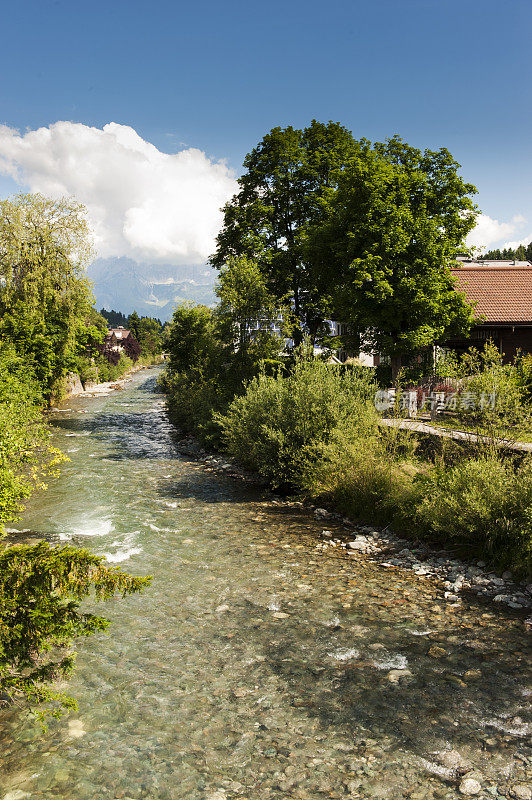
255	666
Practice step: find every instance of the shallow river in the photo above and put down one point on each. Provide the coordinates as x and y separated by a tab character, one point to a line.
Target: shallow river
256	665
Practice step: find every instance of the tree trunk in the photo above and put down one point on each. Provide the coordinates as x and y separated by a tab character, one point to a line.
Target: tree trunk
396	366
297	335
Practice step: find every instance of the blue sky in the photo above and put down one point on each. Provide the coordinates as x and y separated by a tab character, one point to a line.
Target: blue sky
217	76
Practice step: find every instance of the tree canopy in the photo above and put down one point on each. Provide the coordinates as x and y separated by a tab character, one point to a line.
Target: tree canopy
280	195
45	297
521	253
359	232
383	252
148	331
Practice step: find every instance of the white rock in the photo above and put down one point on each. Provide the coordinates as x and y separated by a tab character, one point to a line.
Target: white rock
358	544
469	786
395	675
75	729
16	794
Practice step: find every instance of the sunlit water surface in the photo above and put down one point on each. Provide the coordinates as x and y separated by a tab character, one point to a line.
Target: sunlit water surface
255	666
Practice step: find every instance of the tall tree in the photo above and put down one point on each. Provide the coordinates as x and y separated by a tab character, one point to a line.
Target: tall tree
44	292
247	311
383	253
133	322
280	196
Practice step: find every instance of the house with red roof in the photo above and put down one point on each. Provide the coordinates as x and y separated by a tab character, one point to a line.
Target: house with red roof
501	293
120	340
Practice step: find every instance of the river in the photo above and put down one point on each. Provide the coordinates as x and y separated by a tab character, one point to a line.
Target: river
256	665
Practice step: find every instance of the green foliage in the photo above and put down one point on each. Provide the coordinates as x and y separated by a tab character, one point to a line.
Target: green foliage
25	454
286	176
364	233
191	340
247	312
198	378
213	353
114	318
521	253
368	484
111	372
44	294
40	592
285	427
382	253
500	390
484	504
148	331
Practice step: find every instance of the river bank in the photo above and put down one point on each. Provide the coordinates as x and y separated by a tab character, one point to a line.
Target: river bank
454	576
259	664
75	388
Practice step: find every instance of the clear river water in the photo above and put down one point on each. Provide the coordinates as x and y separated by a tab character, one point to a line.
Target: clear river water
256	665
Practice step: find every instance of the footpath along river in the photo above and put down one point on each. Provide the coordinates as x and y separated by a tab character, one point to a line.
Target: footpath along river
256	665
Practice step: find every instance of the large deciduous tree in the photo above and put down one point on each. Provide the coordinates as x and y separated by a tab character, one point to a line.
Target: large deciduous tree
383	251
280	195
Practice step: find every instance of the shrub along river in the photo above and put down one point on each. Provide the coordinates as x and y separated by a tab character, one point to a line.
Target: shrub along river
256	665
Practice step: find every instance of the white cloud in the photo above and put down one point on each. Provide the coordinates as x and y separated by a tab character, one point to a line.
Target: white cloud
512	245
490	232
141	202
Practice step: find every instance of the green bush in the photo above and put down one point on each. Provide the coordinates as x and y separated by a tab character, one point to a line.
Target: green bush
368	485
25	454
286	428
484	504
111	372
484	376
192	404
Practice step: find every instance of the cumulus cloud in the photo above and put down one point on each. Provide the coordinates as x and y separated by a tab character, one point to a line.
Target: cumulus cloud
490	232
141	202
524	241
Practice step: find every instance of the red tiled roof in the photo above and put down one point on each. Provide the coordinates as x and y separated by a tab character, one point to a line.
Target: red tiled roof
501	294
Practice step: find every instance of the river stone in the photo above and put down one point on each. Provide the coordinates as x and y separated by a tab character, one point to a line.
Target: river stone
395	675
16	794
358	544
453	760
472	674
75	728
469	786
436	652
521	792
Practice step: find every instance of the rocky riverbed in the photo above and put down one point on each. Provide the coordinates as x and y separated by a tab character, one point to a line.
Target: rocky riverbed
455	576
275	655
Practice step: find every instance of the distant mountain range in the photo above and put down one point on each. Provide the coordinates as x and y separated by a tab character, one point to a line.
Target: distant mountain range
150	289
